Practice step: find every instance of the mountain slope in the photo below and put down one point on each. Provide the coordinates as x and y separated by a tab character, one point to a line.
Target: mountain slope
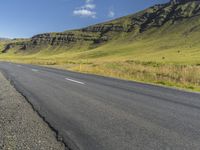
160	45
132	25
3	39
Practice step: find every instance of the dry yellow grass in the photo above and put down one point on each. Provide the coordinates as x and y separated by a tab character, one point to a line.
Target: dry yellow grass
181	76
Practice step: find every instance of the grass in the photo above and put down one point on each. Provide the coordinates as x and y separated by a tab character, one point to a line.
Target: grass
182	76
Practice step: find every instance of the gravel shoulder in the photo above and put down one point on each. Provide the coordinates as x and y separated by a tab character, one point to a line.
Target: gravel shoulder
20	126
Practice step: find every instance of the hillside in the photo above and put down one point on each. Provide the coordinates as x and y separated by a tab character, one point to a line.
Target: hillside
156	17
3	39
160	45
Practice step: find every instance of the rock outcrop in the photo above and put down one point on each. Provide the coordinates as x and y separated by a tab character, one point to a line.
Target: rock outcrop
181	1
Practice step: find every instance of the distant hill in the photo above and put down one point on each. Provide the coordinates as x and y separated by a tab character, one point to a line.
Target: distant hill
4	39
160	44
174	15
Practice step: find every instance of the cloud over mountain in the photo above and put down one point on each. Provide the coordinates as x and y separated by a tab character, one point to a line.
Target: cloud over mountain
87	10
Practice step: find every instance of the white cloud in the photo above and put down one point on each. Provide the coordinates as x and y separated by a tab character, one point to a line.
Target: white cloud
89	1
89	6
85	13
87	10
111	13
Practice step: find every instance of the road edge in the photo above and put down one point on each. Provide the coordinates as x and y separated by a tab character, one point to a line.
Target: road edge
55	131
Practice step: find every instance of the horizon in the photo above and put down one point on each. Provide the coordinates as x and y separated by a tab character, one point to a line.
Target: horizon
24	22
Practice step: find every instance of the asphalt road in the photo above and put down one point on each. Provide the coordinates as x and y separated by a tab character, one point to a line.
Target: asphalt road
97	113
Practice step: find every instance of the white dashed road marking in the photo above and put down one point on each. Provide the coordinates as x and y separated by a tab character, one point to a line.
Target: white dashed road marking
34	70
75	81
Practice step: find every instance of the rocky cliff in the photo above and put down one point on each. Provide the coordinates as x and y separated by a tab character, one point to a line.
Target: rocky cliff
181	1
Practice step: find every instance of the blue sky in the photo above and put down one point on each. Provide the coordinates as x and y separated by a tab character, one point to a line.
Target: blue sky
25	18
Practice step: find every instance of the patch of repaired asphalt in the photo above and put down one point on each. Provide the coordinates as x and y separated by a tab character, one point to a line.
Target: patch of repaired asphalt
20	126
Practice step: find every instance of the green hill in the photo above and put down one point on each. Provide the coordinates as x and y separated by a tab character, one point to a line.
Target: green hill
159	45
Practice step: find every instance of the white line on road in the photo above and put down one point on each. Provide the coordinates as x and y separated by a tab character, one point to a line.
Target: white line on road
74	81
18	65
34	70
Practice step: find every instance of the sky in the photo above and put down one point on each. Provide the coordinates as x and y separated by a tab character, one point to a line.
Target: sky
25	18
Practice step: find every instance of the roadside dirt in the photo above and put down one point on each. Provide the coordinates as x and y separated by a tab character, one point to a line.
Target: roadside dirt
20	126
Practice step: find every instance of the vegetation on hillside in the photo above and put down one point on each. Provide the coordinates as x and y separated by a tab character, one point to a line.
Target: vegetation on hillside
159	45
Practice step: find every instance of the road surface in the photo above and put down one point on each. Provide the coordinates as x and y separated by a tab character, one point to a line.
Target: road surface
98	113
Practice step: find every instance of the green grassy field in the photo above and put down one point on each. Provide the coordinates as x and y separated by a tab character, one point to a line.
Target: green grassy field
167	55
